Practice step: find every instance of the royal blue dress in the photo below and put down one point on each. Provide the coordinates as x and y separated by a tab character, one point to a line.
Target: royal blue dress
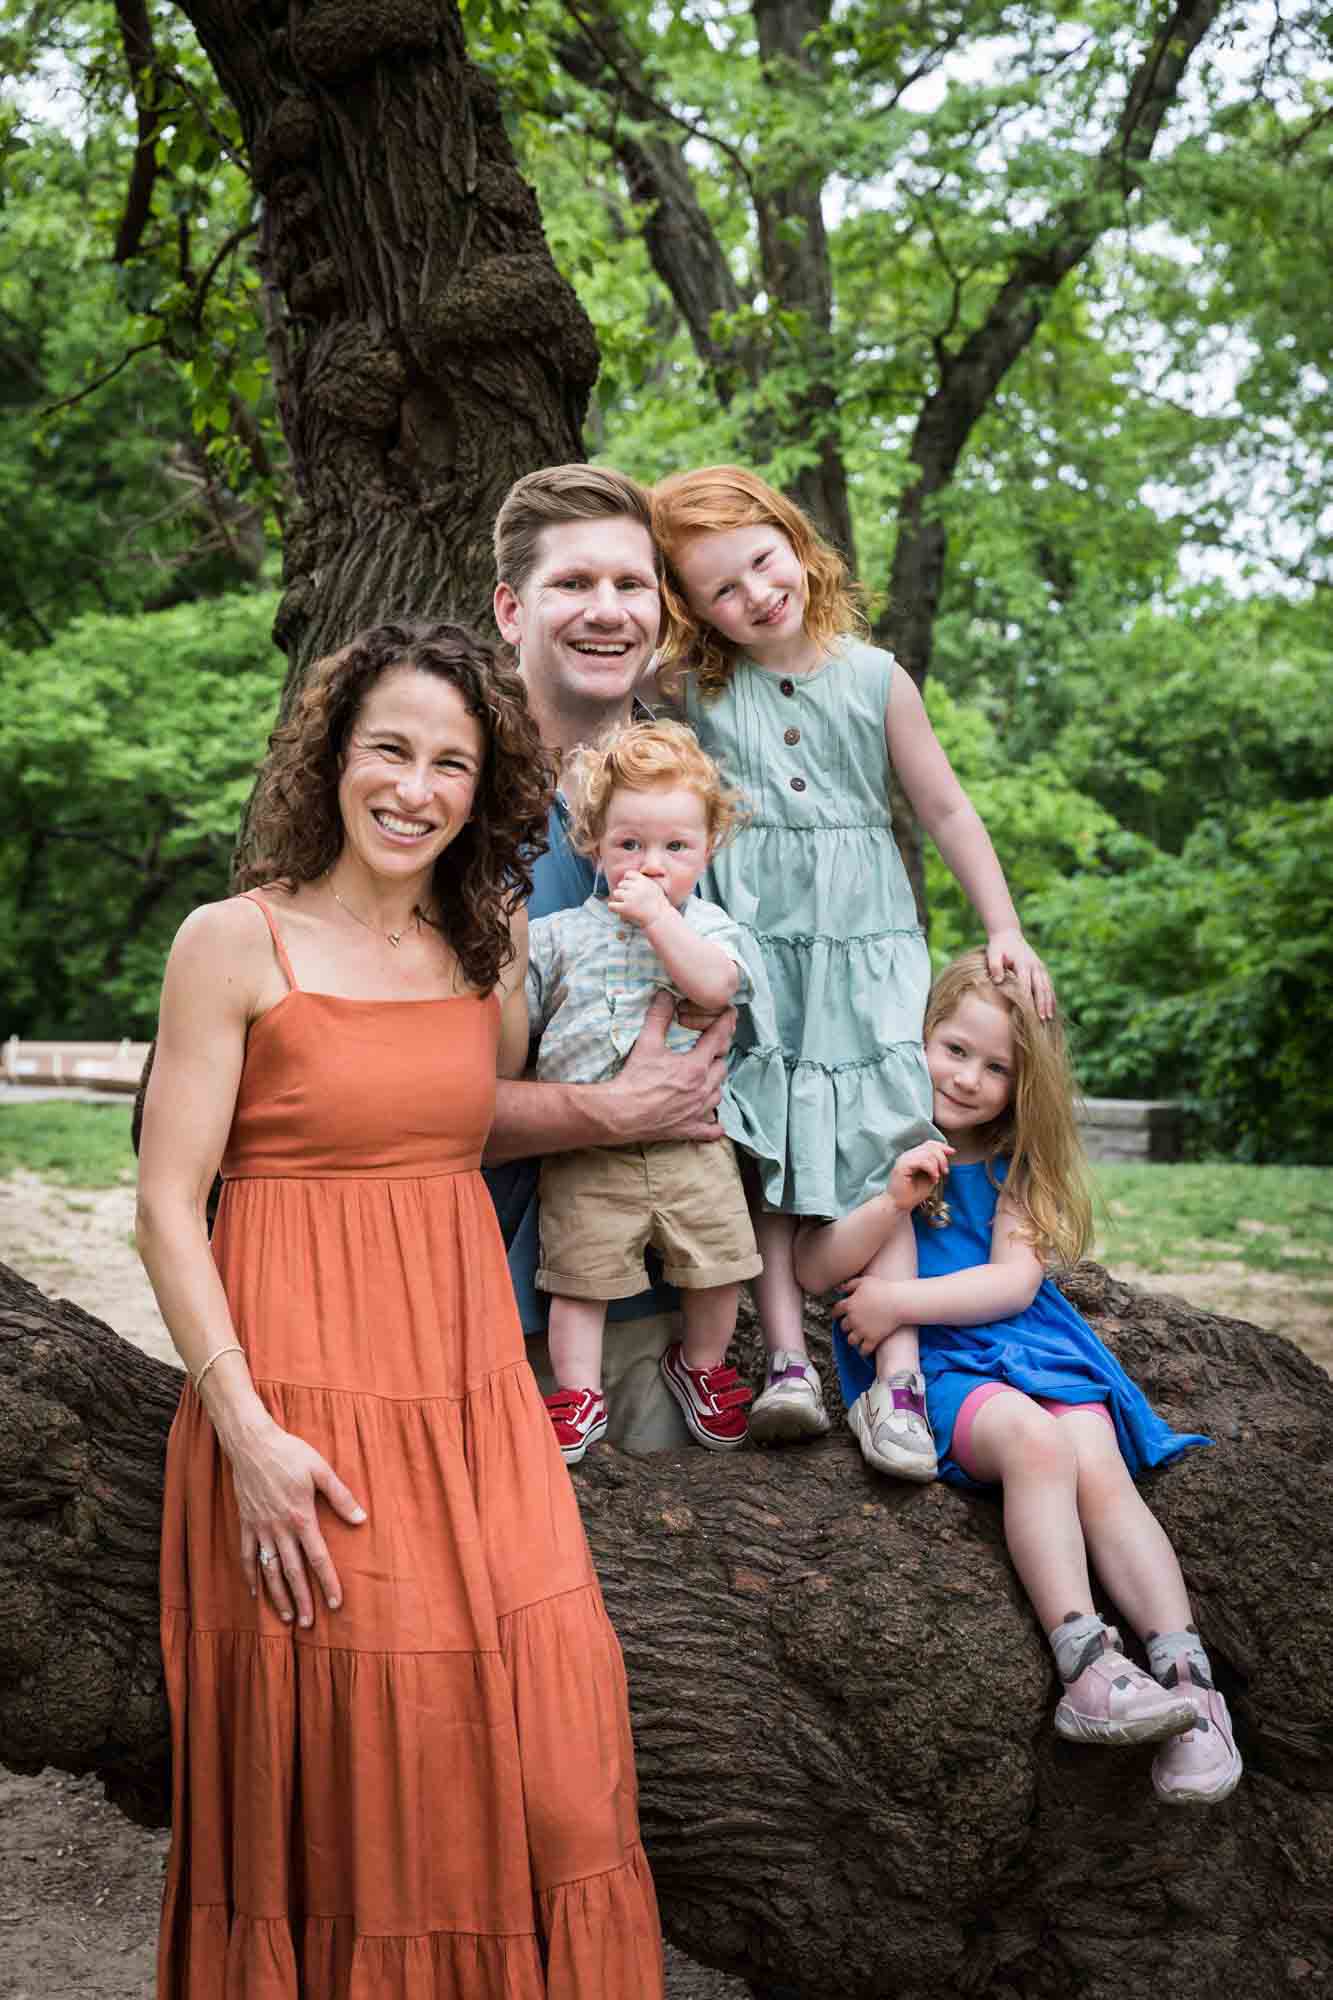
1047	1350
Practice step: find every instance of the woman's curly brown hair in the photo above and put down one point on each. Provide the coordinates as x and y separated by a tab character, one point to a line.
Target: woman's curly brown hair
295	831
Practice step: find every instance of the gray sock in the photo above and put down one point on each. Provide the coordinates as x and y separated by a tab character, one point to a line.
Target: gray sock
1167	1649
1077	1639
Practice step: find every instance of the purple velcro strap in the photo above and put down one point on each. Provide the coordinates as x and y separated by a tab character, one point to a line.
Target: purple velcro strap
908	1399
796	1368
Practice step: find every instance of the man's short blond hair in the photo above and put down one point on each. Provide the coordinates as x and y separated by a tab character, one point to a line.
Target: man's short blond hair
558	494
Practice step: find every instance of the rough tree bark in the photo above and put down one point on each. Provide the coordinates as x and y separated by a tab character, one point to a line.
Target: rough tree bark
431	352
850	1786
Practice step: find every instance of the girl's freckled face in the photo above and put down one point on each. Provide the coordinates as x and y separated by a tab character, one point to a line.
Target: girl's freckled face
747	583
970	1056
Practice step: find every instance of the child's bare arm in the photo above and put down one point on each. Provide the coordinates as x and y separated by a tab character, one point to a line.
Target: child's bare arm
955	826
875	1307
698	967
828	1253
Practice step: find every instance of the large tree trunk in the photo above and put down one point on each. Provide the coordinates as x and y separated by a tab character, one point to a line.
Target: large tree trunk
427	350
842	1705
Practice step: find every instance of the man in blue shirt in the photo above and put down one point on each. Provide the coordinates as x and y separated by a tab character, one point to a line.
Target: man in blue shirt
578	599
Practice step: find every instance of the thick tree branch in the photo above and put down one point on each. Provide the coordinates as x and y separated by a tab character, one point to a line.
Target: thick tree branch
681	242
136	37
876	1691
794	258
970	377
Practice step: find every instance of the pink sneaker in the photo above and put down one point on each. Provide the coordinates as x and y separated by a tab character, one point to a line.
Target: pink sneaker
712	1400
579	1417
1113	1701
1201	1766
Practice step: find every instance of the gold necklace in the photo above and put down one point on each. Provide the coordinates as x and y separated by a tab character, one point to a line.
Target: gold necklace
395	938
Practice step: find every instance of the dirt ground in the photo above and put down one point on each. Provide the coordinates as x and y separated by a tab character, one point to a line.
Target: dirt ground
79	1884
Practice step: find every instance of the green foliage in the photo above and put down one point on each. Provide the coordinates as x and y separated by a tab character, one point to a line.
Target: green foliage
1150	754
127	752
125	386
1208	976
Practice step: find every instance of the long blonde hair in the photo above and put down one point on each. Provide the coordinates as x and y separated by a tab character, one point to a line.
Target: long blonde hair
1037	1132
713	500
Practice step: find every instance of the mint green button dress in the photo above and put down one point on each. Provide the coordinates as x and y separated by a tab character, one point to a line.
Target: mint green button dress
817	882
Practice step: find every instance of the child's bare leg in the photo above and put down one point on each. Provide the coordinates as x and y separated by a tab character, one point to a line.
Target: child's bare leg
778	1298
828	1253
1107	1699
578	1407
710	1321
791	1403
1136	1562
889	1419
574	1338
712	1398
1127	1543
1017	1445
896	1258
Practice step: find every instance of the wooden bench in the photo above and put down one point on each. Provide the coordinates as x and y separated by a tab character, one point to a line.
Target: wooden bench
94	1065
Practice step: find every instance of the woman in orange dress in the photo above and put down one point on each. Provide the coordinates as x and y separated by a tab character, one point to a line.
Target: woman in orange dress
402	1765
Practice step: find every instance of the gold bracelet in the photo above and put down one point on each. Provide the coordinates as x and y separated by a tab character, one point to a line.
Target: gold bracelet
235	1348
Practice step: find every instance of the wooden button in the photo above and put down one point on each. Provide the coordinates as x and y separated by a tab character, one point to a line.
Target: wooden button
791	735
798	784
788	687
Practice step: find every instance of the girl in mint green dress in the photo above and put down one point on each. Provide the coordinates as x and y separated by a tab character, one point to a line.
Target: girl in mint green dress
762	657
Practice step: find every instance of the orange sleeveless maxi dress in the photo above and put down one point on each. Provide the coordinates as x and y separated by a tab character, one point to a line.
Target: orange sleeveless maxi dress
429	1794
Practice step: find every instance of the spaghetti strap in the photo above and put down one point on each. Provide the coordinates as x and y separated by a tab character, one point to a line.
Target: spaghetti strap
253	896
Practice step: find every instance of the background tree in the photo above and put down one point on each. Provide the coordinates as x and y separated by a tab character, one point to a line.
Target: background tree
959	279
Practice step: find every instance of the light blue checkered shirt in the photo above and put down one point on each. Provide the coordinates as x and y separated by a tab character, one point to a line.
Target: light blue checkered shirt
591	980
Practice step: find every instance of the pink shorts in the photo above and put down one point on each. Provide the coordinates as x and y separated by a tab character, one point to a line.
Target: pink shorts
960	1445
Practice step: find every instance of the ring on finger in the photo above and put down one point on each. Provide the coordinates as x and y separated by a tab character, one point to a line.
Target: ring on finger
267	1556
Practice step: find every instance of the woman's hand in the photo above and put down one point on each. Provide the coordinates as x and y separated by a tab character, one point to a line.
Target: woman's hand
1009	951
277	1478
917	1172
869	1312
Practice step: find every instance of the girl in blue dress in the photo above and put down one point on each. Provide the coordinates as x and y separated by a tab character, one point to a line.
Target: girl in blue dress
1020	1391
761	653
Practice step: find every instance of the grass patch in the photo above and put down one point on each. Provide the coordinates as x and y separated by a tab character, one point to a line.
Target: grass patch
83	1145
1182	1218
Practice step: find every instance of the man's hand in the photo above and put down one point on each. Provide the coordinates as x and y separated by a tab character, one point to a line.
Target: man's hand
916	1172
662	1095
638	899
869	1312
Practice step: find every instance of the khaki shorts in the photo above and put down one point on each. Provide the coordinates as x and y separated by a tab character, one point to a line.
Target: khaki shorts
601	1208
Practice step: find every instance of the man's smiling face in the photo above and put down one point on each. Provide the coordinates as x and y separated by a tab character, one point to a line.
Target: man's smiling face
585	620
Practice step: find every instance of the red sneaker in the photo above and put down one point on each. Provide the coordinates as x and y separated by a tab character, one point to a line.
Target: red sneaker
579	1417
712	1399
